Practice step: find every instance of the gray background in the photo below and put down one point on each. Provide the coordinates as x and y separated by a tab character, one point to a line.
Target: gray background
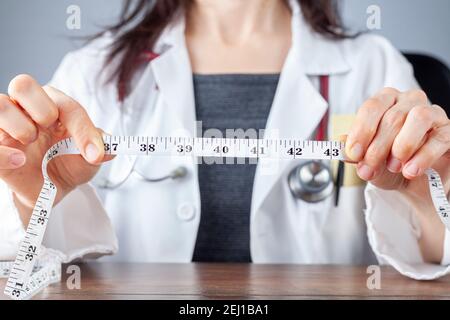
34	36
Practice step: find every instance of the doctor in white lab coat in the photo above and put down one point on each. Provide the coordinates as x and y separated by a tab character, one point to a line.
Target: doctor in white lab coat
389	220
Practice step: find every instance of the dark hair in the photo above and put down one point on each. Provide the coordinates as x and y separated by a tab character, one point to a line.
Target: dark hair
143	21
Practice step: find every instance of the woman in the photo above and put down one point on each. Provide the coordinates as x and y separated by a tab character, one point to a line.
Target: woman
231	64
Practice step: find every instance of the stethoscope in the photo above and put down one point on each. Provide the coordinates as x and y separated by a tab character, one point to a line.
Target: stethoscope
310	181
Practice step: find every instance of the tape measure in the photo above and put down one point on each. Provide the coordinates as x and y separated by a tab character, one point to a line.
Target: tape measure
24	281
45	271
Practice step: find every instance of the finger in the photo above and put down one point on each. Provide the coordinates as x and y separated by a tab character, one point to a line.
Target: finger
367	121
435	147
11	158
77	122
419	121
33	99
379	149
14	122
416	97
343	138
7	140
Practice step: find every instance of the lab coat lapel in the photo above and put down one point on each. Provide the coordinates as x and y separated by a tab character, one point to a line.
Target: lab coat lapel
173	76
298	105
296	111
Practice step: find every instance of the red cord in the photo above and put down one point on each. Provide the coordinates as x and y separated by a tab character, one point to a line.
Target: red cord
322	130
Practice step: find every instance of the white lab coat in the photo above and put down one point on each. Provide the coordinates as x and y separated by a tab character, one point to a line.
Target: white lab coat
158	222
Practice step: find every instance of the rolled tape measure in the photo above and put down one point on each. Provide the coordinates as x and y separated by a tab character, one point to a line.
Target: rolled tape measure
44	272
24	280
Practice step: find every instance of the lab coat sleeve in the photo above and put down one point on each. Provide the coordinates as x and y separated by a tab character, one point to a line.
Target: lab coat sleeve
11	228
392	227
393	232
446	256
79	226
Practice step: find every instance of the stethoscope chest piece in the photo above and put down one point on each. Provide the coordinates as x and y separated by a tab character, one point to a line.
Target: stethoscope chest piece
311	181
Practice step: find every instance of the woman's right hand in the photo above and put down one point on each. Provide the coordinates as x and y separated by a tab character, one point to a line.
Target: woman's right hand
32	119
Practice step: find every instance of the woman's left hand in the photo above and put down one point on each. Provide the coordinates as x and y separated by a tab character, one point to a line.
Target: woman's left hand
395	138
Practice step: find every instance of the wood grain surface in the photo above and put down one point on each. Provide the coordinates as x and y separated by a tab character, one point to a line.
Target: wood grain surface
238	281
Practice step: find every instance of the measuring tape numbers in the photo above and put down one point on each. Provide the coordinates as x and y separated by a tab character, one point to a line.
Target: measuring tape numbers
44	272
25	280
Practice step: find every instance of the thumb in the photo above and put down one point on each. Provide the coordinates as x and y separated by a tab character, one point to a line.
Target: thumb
343	138
77	122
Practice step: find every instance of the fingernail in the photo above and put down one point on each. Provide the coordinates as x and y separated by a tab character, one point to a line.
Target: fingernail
412	169
394	165
17	159
91	152
356	152
365	172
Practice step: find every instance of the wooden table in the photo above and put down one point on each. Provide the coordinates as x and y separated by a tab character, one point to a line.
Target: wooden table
238	281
